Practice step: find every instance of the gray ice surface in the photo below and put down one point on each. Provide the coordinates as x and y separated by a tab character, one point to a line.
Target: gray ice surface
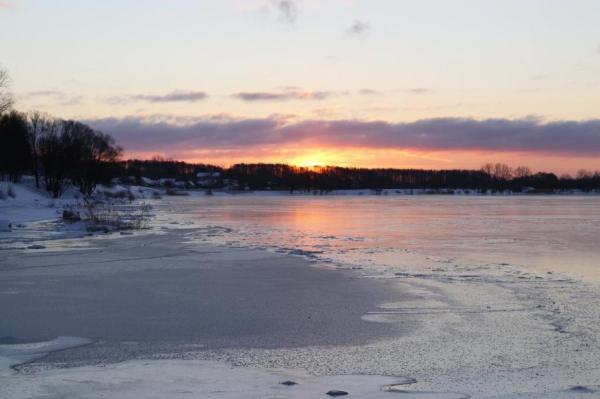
139	296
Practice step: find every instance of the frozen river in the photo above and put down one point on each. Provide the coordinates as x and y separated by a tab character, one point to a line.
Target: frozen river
540	234
484	297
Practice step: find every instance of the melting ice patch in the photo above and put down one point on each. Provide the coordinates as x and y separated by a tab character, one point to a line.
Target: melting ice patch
578	391
401	392
175	378
14	351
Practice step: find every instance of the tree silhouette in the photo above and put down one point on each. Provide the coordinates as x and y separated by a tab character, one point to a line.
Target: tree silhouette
53	158
6	100
15	149
38	123
87	150
73	150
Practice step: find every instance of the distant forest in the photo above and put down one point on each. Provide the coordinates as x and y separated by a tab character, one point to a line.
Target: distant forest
65	152
495	177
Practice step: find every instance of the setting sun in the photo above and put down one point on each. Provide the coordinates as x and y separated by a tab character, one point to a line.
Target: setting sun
320	158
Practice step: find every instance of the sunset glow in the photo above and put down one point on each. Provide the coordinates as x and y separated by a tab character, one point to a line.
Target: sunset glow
334	82
363	157
318	158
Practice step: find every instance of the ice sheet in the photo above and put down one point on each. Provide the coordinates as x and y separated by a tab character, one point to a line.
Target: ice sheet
16	352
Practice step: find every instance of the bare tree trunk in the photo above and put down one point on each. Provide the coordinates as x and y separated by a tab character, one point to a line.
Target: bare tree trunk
6	100
36	121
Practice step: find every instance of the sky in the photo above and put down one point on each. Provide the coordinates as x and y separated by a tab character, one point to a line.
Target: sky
375	83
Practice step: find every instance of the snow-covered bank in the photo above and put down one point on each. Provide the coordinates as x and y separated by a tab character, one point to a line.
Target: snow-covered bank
28	204
31	219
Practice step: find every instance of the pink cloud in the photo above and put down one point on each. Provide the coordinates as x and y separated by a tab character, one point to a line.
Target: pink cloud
528	135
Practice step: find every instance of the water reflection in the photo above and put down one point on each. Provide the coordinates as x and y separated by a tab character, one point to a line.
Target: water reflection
540	233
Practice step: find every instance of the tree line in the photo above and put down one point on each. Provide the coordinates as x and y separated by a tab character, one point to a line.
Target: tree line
57	152
496	177
260	176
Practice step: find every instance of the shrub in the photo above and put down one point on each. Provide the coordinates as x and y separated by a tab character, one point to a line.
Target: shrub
116	215
175	193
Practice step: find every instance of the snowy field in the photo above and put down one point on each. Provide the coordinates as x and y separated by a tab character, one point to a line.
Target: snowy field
420	297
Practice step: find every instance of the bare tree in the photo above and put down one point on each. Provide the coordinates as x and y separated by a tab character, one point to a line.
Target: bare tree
52	158
92	151
6	100
498	171
584	174
502	171
38	123
72	151
488	169
521	171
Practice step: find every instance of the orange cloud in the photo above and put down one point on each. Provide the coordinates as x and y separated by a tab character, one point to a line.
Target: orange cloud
430	143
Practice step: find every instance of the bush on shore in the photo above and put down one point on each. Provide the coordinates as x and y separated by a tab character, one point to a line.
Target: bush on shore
110	215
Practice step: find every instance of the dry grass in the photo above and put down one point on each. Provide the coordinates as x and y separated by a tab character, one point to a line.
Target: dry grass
112	214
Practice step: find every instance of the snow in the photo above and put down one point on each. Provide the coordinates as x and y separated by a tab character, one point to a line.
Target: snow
149	182
160	379
14	354
139	192
29	204
31	219
202	379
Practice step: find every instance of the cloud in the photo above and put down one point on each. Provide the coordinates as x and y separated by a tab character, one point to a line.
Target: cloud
70	101
55	97
530	135
44	93
176	96
262	96
419	90
287	11
290	93
359	29
368	92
